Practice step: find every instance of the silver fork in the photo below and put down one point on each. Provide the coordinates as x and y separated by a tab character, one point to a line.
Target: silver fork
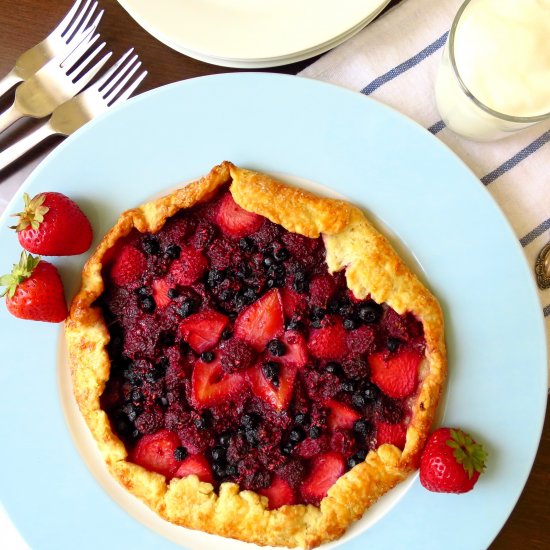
56	82
59	43
111	89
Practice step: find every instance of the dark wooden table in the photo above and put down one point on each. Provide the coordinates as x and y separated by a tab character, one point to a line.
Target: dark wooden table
25	22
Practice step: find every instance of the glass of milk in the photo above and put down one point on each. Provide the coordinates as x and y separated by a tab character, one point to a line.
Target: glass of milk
494	77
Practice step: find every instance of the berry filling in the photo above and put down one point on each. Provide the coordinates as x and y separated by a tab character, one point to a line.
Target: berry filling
236	356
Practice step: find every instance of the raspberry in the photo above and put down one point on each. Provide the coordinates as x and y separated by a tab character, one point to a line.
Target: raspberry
356	368
236	355
294	472
362	339
321	290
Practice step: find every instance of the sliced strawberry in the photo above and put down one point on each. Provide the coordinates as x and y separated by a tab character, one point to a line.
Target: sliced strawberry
328	342
294	304
155	452
189	267
277	397
362	339
262	321
196	465
325	471
210	386
203	330
391	433
278	493
128	266
321	289
341	416
395	374
160	292
296	349
236	221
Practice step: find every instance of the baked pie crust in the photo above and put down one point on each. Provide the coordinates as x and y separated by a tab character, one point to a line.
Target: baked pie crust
372	267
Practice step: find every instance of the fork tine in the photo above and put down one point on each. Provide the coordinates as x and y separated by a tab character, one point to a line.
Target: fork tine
87	77
131	89
107	89
83	27
76	23
120	83
63	24
103	80
86	43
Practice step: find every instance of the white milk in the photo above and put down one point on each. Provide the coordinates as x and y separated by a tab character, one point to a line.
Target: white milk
502	54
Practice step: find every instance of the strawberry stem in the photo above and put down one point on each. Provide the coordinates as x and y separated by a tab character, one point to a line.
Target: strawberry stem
33	213
467	452
20	272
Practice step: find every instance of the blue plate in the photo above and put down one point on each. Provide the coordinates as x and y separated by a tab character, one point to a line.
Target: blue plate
375	157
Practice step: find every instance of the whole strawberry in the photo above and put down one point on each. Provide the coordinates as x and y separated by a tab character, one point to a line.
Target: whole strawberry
53	225
34	291
451	462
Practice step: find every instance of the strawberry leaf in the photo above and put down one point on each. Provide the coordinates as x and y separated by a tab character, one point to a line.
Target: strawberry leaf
33	213
471	455
20	272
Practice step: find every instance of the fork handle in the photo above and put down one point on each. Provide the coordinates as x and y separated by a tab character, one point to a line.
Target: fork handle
9	116
9	81
25	144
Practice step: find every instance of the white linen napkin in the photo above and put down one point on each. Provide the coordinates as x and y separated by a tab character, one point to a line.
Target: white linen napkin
395	61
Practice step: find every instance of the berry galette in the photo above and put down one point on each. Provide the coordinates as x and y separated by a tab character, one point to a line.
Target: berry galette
253	360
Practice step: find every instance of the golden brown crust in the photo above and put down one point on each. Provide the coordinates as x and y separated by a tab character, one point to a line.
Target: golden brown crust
372	267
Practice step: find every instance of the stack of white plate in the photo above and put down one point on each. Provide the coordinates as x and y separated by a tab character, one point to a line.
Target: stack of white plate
253	34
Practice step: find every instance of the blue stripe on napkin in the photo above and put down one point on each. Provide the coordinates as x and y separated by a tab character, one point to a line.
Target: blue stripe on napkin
537	232
517	158
437	127
406	65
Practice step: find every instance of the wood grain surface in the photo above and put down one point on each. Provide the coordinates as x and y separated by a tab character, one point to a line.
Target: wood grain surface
23	23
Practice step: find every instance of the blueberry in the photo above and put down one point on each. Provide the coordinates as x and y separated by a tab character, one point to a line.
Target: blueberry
246	244
226	295
215	277
371	392
361	454
358	401
301	286
250	295
147	304
317	313
219	469
300	275
240	301
350	323
369	313
362	427
300	419
393	343
150	245
296	435
131	411
315	432
271	372
172	251
225	439
180	453
276	347
333	306
295	324
281	255
243	271
123	425
143	291
347	386
286	449
186	307
173	293
249	420
333	367
218	454
226	334
136	395
200	423
251	437
162	401
207	356
354	460
316	323
268	261
345	310
231	470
